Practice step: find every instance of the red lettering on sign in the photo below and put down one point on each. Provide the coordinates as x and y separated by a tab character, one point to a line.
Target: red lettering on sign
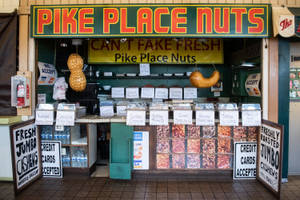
157	20
239	12
44	18
123	26
201	12
110	16
285	24
222	20
56	21
253	19
83	20
144	17
176	20
68	18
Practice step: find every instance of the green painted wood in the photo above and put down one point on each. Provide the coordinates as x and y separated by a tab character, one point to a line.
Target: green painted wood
283	99
120	151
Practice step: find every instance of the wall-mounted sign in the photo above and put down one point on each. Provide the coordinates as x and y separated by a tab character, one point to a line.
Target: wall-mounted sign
286	26
156	50
269	154
51	159
26	155
244	160
151	20
140	150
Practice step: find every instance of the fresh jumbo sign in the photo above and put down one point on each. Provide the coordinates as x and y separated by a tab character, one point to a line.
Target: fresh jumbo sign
270	155
179	20
26	154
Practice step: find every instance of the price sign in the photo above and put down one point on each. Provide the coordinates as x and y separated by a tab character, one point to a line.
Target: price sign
175	93
65	118
251	118
121	110
117	92
190	93
44	117
41	98
229	118
183	116
159	117
205	117
147	93
106	111
244	160
136	118
132	93
144	69
161	93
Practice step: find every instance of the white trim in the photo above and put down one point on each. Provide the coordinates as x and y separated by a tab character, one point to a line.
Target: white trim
265	77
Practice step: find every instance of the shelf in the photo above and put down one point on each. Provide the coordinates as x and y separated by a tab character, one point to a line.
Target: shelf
137	77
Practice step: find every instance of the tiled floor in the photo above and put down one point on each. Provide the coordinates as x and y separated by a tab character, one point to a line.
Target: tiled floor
163	188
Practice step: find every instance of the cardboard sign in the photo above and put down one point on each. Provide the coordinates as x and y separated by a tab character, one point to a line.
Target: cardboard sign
117	92
147	93
136	118
44	117
65	118
132	93
190	93
244	166
205	117
251	118
175	93
51	158
269	154
140	150
159	117
26	155
229	118
161	93
183	116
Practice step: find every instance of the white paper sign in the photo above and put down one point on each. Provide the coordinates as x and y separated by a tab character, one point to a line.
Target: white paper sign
65	118
147	93
136	118
121	110
51	158
106	111
244	166
251	118
44	117
205	117
41	98
159	117
140	150
161	93
26	152
117	92
183	116
132	93
175	93
229	118
190	93
144	69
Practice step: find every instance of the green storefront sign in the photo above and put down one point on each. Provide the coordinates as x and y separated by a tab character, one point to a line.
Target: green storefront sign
147	20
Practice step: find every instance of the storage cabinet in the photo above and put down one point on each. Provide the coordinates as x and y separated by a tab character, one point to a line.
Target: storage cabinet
79	150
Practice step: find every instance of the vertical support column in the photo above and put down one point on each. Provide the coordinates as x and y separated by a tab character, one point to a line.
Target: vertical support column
265	77
273	81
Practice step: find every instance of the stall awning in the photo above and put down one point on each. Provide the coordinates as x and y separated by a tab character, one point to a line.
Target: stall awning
286	21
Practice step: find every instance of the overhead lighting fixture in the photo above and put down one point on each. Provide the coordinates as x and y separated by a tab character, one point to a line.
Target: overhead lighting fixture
107	41
247	64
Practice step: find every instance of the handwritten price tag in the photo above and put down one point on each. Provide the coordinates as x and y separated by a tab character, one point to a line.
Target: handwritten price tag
205	118
44	117
251	118
136	118
229	118
65	118
159	117
183	116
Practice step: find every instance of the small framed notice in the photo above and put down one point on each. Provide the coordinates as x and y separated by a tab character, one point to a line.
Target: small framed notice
159	117
136	118
175	93
117	92
132	93
205	117
161	93
229	117
147	93
44	117
190	93
65	118
183	117
251	118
